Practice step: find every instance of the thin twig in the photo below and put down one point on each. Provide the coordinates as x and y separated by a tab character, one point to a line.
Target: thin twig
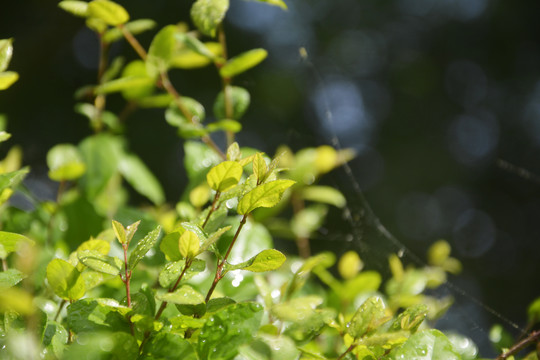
219	271
60	307
349	349
532	338
212	209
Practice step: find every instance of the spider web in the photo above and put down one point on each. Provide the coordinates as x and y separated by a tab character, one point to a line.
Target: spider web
371	238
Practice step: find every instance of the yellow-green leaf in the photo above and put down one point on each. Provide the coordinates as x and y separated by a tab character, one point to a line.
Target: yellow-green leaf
265	195
134	27
239	99
259	167
119	231
189	244
199	195
208	14
162	50
11	242
143	246
266	260
65	163
6	51
349	265
242	62
224	176
65	280
125	83
108	11
77	8
7	78
278	3
101	263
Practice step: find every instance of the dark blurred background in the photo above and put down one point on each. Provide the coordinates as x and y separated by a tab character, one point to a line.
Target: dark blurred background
440	99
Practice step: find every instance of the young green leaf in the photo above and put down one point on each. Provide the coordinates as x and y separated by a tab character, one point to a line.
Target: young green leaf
65	163
224	125
8	78
143	246
169	245
265	195
410	319
242	62
199	47
239	99
278	3
324	194
207	15
369	316
119	231
11	242
101	263
161	50
108	11
65	280
266	260
189	245
141	178
13	178
185	295
134	27
77	8
224	176
124	83
175	117
213	238
10	277
259	167
96	315
6	52
297	309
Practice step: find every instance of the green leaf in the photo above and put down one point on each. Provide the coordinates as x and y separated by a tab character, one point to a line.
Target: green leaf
101	263
242	62
7	78
137	69
141	178
6	52
271	347
214	237
11	242
77	8
125	83
438	253
169	346
239	99
171	271
233	152
227	329
266	260
366	281
176	118
169	246
278	3
324	194
308	220
265	195
65	280
55	338
209	51
101	154
143	246
110	12
185	295
533	312
94	315
119	231
369	316
259	167
410	319
10	277
65	163
426	345
12	178
4	136
207	15
155	101
189	245
162	50
225	125
224	176
134	27
297	309
199	158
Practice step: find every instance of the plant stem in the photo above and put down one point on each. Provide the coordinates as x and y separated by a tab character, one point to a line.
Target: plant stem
4	264
219	270
349	349
172	289
135	44
212	209
167	85
60	307
127	275
532	338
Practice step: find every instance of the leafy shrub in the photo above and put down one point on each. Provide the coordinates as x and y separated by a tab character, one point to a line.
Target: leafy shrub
95	277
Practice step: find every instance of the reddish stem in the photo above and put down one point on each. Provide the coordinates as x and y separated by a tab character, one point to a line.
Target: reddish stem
212	209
